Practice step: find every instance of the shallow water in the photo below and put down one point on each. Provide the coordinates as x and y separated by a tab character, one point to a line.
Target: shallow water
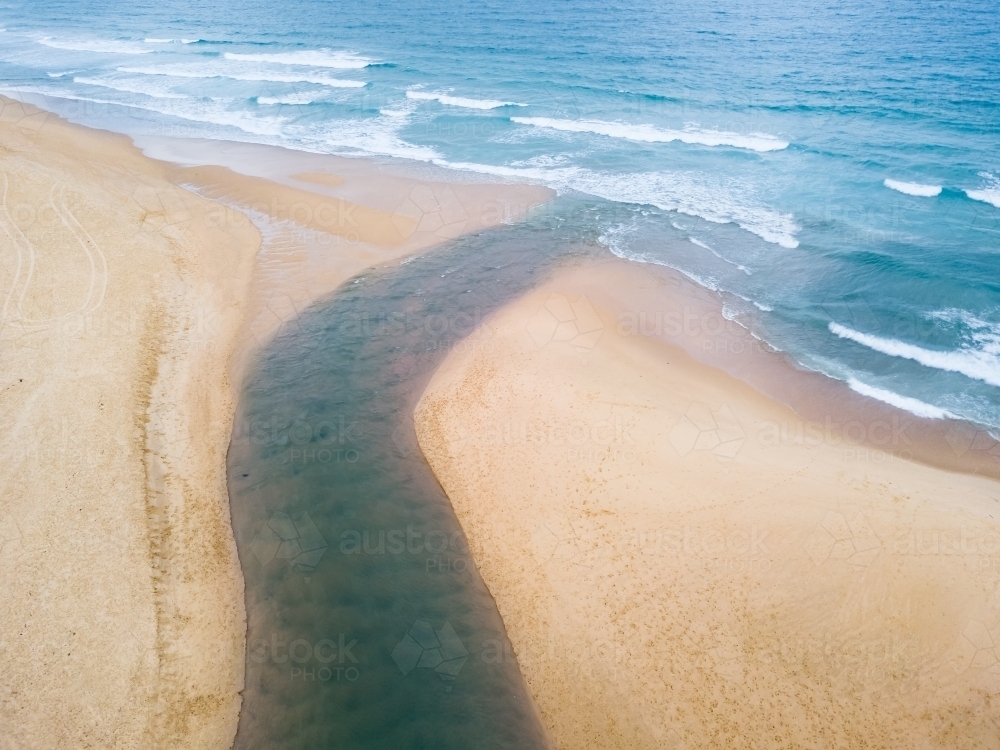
368	625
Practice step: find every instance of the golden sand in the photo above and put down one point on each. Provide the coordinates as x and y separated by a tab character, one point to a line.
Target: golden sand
131	302
681	562
121	620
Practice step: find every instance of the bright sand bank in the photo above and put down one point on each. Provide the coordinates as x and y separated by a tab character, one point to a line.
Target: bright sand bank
130	308
121	622
682	562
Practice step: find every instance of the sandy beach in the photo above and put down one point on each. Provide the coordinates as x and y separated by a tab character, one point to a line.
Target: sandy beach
499	376
122	621
681	561
133	302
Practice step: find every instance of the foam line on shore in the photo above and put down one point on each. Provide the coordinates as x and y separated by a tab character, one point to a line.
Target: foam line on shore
652	134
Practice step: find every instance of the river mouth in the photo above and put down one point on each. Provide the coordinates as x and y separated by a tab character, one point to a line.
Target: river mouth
368	624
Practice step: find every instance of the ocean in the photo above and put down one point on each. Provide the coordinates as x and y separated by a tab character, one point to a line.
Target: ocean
832	169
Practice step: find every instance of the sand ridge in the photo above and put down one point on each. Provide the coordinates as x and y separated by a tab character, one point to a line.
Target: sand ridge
682	562
122	621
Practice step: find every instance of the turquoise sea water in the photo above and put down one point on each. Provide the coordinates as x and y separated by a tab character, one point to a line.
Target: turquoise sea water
833	168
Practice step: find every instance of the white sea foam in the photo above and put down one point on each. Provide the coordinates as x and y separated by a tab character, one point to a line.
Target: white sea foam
762	306
652	134
312	58
912	405
977	364
705	281
261	126
305	97
129	89
377	136
189	109
989	194
543	160
684	192
219	114
983	330
182	71
337	83
614	238
986	196
699	243
460	101
106	46
913	188
18	95
153	40
689	194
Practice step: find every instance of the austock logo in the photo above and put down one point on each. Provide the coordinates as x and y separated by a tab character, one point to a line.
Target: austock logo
838	537
423	647
560	320
297	541
963	438
427	209
24	116
325	661
975	648
703	429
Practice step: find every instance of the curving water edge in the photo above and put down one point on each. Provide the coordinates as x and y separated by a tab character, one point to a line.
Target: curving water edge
368	624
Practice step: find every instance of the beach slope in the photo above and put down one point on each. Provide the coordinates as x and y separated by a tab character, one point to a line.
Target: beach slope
122	617
682	562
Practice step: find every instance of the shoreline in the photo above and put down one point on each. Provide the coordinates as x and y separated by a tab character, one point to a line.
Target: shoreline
295	230
198	292
678	559
663	305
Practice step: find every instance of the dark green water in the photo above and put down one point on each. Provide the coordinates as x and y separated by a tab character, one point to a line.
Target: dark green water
368	624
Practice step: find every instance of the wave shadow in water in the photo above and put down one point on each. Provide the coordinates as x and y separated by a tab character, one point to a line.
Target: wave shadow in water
368	623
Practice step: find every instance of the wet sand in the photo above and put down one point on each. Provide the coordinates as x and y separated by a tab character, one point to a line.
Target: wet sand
682	561
326	218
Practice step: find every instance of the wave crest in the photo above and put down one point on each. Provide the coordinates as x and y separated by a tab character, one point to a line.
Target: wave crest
310	58
189	72
989	194
104	47
460	101
913	188
906	403
683	192
652	134
973	363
